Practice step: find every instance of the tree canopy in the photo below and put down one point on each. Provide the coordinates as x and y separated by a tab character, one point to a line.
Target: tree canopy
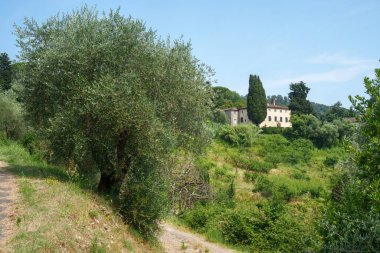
256	100
351	221
225	98
5	72
109	94
337	112
297	96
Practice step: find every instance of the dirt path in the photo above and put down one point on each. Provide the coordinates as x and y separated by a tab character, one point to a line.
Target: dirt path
8	191
174	240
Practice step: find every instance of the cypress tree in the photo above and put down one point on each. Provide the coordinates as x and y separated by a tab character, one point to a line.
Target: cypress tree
256	100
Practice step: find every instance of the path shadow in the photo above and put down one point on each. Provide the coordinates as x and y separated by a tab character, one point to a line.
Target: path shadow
86	182
39	172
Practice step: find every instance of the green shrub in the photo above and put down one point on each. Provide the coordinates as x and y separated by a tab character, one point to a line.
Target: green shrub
331	161
283	187
240	135
143	198
349	223
260	166
224	173
220	117
300	150
275	130
276	149
12	123
204	163
250	176
264	186
300	175
199	216
240	160
289	234
326	136
243	226
231	191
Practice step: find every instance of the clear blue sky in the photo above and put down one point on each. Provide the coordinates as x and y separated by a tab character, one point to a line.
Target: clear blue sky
329	44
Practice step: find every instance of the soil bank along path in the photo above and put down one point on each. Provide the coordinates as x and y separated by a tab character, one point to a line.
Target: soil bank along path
174	240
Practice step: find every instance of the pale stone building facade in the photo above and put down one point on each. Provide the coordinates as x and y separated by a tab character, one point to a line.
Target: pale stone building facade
277	116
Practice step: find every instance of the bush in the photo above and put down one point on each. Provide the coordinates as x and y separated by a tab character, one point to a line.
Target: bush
272	130
288	234
242	226
199	216
240	135
220	117
300	175
264	185
331	161
349	223
299	151
326	136
250	176
143	198
241	160
258	166
277	149
285	188
11	116
224	173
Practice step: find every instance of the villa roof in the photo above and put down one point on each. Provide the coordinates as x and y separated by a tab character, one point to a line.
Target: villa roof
278	107
268	106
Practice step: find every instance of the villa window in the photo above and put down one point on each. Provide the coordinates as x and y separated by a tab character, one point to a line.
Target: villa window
269	118
280	119
280	110
286	119
275	110
275	118
241	120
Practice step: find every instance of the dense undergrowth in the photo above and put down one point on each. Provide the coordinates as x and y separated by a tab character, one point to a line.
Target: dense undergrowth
267	197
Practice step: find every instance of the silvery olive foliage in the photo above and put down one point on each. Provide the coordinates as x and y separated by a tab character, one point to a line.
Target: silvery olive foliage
351	222
109	93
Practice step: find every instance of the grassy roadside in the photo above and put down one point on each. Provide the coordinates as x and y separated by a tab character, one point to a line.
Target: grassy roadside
54	214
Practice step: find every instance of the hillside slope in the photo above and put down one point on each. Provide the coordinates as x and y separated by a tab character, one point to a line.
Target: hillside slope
55	214
267	197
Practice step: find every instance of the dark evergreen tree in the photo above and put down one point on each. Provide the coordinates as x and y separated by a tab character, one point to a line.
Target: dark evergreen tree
5	72
256	100
298	102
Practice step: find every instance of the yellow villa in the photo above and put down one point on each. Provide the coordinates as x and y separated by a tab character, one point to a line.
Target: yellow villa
277	116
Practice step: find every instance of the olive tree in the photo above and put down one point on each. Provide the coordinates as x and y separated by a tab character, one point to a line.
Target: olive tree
109	93
351	221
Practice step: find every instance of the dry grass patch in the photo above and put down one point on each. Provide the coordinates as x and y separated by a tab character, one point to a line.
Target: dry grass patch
56	216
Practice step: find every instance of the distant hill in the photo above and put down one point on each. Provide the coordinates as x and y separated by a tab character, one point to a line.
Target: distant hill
320	109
